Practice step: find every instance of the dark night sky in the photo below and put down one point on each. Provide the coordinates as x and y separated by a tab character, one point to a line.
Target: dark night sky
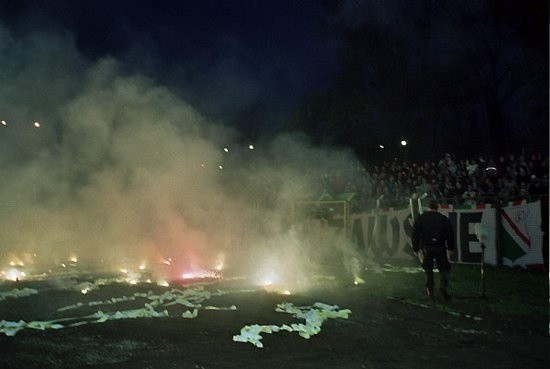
221	56
249	64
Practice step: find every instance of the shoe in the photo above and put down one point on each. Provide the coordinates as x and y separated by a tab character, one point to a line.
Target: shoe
430	293
445	294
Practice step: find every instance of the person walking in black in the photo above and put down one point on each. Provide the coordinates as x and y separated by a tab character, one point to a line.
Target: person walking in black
433	239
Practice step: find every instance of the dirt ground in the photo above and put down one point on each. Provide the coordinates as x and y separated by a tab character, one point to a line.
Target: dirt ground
382	331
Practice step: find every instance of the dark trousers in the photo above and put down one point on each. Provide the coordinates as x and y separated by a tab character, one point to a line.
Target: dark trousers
439	254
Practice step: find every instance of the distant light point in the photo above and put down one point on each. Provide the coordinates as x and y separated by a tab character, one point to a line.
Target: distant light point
225	149
36	124
403	143
251	147
381	146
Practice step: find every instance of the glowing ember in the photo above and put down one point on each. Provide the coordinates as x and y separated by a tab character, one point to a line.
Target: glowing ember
13	274
269	287
16	262
219	262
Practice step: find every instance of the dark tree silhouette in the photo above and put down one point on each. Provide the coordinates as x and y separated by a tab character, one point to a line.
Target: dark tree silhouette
467	77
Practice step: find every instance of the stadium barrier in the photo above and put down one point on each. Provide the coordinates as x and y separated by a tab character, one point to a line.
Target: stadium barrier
512	233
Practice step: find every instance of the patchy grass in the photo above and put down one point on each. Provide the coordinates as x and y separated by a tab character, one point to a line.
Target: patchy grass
508	291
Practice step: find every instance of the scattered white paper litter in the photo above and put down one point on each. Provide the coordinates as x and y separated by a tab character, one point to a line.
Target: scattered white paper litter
16	293
153	308
314	316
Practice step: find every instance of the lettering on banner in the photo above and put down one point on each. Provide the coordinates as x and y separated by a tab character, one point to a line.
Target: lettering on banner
394	223
465	237
378	239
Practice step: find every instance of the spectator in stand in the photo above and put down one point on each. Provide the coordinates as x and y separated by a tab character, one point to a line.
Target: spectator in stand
538	166
452	168
434	191
469	196
442	167
509	189
536	188
423	186
524	190
523	174
448	180
457	192
472	167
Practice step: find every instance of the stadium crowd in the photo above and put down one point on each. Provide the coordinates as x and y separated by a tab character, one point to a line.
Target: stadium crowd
450	180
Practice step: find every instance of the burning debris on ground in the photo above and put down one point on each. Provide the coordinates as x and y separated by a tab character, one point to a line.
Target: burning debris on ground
157	301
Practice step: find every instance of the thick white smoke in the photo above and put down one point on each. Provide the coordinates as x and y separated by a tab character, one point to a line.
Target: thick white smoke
122	172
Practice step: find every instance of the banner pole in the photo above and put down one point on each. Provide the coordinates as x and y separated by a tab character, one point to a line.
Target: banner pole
498	231
482	270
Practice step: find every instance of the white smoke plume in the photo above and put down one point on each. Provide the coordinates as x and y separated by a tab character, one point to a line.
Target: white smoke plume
122	172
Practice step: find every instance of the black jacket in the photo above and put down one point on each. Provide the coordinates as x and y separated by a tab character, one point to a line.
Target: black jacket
433	229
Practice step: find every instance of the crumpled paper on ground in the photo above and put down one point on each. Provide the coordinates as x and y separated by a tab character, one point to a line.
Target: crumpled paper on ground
251	333
146	312
190	298
16	293
12	328
112	300
314	316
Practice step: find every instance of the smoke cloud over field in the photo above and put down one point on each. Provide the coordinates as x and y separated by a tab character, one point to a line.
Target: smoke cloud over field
107	168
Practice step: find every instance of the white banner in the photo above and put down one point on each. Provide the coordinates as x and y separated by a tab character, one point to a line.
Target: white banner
387	233
522	235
